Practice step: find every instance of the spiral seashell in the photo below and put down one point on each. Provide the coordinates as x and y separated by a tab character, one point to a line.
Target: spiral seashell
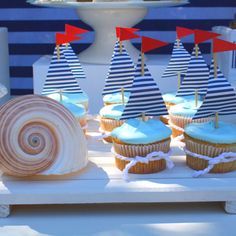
40	136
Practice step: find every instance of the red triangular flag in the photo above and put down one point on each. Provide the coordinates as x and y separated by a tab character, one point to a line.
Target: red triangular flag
127	34
132	30
70	29
183	32
65	38
149	44
220	45
203	35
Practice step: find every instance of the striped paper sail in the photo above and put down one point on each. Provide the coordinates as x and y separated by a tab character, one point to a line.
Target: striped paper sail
196	77
121	72
60	76
73	62
145	97
220	97
178	62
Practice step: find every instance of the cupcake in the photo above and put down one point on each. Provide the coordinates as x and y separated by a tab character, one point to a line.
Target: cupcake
79	112
140	138
115	98
170	100
78	98
110	119
205	139
182	114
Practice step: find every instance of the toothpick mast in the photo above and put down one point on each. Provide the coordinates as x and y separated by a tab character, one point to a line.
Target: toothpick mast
196	98
196	50
178	42
143	117
215	65
179	79
123	96
142	65
58	52
60	93
216	120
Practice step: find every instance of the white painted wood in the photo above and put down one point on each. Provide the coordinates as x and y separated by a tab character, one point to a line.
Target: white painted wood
102	182
4	211
230	207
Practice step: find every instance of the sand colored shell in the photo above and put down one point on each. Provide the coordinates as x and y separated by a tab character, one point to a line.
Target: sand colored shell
39	136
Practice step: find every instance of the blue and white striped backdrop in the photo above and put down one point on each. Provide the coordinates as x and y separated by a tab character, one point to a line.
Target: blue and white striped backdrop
32	30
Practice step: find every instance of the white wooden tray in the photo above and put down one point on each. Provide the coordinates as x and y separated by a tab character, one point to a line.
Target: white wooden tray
102	182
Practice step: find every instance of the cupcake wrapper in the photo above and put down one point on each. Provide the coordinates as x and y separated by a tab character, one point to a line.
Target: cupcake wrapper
211	150
141	150
182	121
165	119
109	124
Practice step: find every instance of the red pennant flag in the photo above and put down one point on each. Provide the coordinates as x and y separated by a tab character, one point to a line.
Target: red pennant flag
149	44
70	29
127	34
203	35
132	30
183	32
65	38
220	45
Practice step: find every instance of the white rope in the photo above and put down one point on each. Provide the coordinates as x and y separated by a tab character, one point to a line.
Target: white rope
104	134
224	157
153	156
84	127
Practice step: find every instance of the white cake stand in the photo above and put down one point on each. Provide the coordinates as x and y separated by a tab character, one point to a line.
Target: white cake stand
103	17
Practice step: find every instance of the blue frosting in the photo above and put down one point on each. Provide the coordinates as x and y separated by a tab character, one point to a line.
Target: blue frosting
112	111
171	98
77	110
185	109
225	134
116	98
135	131
57	97
77	97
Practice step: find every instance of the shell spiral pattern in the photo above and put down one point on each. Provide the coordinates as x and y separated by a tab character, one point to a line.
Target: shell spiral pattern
39	136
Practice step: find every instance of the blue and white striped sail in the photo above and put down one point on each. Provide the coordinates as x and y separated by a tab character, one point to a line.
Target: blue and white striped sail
220	97
73	61
121	72
178	62
145	96
60	76
196	77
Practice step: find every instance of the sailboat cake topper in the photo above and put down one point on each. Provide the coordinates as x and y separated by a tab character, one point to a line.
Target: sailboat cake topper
65	70
121	71
211	146
196	79
143	143
59	76
180	57
195	83
117	85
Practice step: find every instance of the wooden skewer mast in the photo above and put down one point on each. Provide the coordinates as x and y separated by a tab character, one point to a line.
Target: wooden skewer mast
142	64
123	95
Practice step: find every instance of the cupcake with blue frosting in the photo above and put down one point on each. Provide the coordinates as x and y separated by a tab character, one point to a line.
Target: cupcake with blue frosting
182	114
78	98
110	119
207	140
79	113
140	138
115	98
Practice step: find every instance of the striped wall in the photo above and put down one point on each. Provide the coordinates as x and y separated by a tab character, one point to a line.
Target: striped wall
32	30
